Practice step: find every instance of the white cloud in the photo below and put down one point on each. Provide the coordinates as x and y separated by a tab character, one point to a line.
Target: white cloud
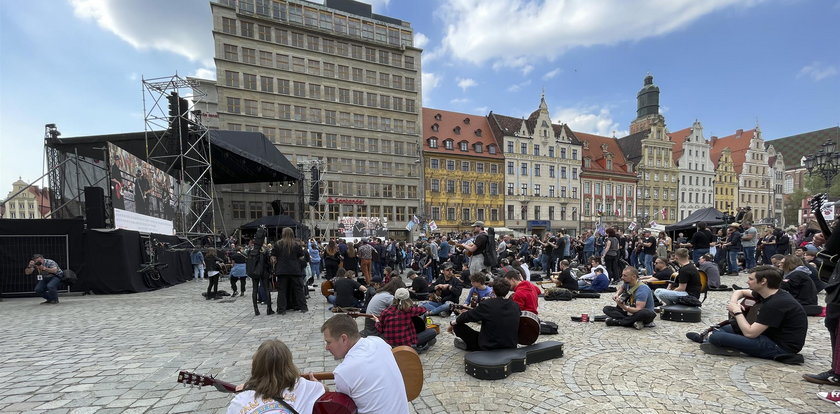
546	29
459	101
591	119
465	84
430	81
181	27
817	71
482	110
204	73
552	74
518	86
420	40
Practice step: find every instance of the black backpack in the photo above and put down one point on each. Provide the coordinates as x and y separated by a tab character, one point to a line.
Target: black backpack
69	277
558	294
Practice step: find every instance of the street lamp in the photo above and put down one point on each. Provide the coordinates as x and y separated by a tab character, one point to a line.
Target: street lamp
642	214
825	162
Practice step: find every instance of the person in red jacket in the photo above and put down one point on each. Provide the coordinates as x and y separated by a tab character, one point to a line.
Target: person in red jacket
524	292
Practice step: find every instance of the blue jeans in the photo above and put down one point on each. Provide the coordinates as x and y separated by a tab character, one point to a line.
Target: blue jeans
356	304
759	347
648	260
668	297
377	268
435	308
733	261
198	271
696	253
47	288
749	257
316	269
634	258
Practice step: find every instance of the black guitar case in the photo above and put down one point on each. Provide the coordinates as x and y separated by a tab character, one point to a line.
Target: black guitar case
586	295
499	363
681	313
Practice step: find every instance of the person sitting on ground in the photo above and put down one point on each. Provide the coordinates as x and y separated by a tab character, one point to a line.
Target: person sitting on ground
565	278
345	291
396	325
633	302
525	293
275	384
687	283
383	298
708	266
662	272
499	319
479	290
797	281
597	280
447	291
780	327
419	286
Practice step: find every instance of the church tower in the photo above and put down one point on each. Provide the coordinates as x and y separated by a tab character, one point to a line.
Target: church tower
647	109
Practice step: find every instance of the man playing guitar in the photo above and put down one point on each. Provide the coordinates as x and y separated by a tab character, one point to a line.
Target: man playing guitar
476	248
499	319
368	373
633	302
524	292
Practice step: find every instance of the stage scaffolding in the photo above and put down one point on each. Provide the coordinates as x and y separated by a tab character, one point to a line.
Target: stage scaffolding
176	138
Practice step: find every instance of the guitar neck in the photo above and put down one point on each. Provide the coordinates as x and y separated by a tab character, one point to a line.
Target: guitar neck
816	208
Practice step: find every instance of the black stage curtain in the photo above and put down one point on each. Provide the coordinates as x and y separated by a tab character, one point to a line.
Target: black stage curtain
179	267
113	258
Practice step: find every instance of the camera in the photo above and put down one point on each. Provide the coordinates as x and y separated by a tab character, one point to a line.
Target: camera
39	262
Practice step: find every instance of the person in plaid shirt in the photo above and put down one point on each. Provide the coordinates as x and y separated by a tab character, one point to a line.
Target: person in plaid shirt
396	325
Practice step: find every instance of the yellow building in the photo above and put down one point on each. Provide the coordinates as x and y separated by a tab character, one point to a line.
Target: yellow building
31	203
463	175
726	180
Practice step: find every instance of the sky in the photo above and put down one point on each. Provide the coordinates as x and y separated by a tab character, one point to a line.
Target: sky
729	64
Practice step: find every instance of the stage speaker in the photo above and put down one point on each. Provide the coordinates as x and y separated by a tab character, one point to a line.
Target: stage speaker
95	207
315	191
277	207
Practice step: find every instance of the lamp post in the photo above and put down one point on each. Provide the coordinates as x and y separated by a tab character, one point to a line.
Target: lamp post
642	215
825	162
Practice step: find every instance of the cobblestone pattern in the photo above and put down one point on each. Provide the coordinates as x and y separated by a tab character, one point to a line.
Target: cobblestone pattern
121	354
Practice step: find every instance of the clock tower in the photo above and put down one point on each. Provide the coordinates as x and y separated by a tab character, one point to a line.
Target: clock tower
647	109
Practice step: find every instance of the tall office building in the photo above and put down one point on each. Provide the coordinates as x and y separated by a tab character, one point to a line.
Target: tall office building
333	86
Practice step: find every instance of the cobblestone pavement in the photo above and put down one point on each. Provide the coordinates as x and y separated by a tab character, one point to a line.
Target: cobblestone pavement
121	354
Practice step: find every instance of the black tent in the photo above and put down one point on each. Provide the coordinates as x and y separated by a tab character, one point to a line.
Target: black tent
710	215
274	225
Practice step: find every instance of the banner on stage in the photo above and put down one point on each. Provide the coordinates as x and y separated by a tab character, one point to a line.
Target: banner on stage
138	222
363	226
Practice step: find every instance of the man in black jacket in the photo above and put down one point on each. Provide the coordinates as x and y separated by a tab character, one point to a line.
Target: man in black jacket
446	289
499	319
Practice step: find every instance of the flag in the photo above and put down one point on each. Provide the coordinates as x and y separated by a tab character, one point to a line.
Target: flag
664	213
632	226
410	225
601	230
617	212
415	219
652	224
433	226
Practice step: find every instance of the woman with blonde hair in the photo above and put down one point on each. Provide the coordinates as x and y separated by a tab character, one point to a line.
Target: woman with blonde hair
275	384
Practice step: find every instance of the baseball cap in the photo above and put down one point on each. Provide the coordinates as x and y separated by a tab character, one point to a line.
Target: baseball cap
478	224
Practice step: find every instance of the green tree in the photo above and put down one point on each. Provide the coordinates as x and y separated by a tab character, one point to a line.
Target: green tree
812	184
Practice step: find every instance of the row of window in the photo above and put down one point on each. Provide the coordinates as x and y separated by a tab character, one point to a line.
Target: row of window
759	199
665	177
20	205
465	187
537	213
463	145
524	169
724	191
666	194
695	198
357	189
606	209
523	190
466	166
692	180
341	25
347	165
535	150
256	209
608	189
466	214
21	215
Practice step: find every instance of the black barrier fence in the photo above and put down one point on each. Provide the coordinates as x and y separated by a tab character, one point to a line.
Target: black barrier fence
17	249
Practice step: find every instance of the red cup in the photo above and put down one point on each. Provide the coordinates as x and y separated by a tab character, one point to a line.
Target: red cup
584	317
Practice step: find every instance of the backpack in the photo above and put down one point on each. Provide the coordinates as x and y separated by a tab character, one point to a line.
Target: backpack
558	294
491	257
392	253
69	277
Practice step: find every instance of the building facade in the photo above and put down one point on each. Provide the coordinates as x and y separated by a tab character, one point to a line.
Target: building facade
751	164
464	171
608	184
32	203
776	162
726	181
334	86
692	155
542	168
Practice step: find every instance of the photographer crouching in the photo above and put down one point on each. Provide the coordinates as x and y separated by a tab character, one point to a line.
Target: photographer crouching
49	277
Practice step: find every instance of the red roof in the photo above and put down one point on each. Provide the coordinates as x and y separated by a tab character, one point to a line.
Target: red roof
596	154
679	138
468	128
738	143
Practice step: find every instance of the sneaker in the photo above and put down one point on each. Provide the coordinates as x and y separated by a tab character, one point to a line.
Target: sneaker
831	396
242	293
827	378
790	359
234	293
444	314
650	325
611	322
460	344
694	336
638	325
717	350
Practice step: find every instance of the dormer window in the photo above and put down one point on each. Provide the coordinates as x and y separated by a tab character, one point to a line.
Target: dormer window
466	121
478	132
448	144
587	162
609	164
433	142
436	127
457	130
464	146
491	149
438	117
477	147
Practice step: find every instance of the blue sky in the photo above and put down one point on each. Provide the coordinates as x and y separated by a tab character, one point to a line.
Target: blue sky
728	63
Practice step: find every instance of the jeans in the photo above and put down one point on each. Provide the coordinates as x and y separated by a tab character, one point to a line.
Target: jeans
477	263
47	288
749	257
696	253
377	268
316	269
733	261
435	308
625	318
424	337
648	261
668	297
198	271
357	304
759	347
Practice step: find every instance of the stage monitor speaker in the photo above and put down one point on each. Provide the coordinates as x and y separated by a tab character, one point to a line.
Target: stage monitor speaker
277	207
95	207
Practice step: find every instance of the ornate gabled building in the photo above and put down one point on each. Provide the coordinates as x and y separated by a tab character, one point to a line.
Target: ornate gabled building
649	149
608	184
776	162
542	166
726	180
692	155
464	173
31	203
751	164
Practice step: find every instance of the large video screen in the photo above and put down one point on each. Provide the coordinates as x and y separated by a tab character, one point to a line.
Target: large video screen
143	196
363	226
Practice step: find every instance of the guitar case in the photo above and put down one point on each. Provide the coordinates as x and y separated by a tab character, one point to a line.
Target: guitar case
586	295
499	363
681	313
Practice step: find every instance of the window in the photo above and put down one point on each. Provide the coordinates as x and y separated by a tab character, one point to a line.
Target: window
574	154
479	167
435	185
233	105
465	187
491	148
267	84
249	55
574	173
450	165
537	190
232	79
523	169
433	143
231	52
450	214
536	212
250	107
465	214
510	147
434	163
465	165
563	153
523	148
510	212
563	172
238	209
464	146
229	27
536	150
450	186
494	189
247	29
255	209
523	189
479	188
249	81
449	144
510	189
536	170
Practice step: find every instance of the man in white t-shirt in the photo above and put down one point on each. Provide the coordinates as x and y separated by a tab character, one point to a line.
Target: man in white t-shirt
369	373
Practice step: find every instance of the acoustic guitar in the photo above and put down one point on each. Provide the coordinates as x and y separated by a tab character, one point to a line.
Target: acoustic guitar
529	325
828	261
464	247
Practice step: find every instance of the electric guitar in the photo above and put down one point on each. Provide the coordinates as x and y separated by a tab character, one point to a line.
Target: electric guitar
829	261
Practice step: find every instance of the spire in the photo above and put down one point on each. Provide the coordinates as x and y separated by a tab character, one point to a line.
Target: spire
543	105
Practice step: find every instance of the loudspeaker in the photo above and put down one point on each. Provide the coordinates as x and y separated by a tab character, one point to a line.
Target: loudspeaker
315	191
277	207
95	207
